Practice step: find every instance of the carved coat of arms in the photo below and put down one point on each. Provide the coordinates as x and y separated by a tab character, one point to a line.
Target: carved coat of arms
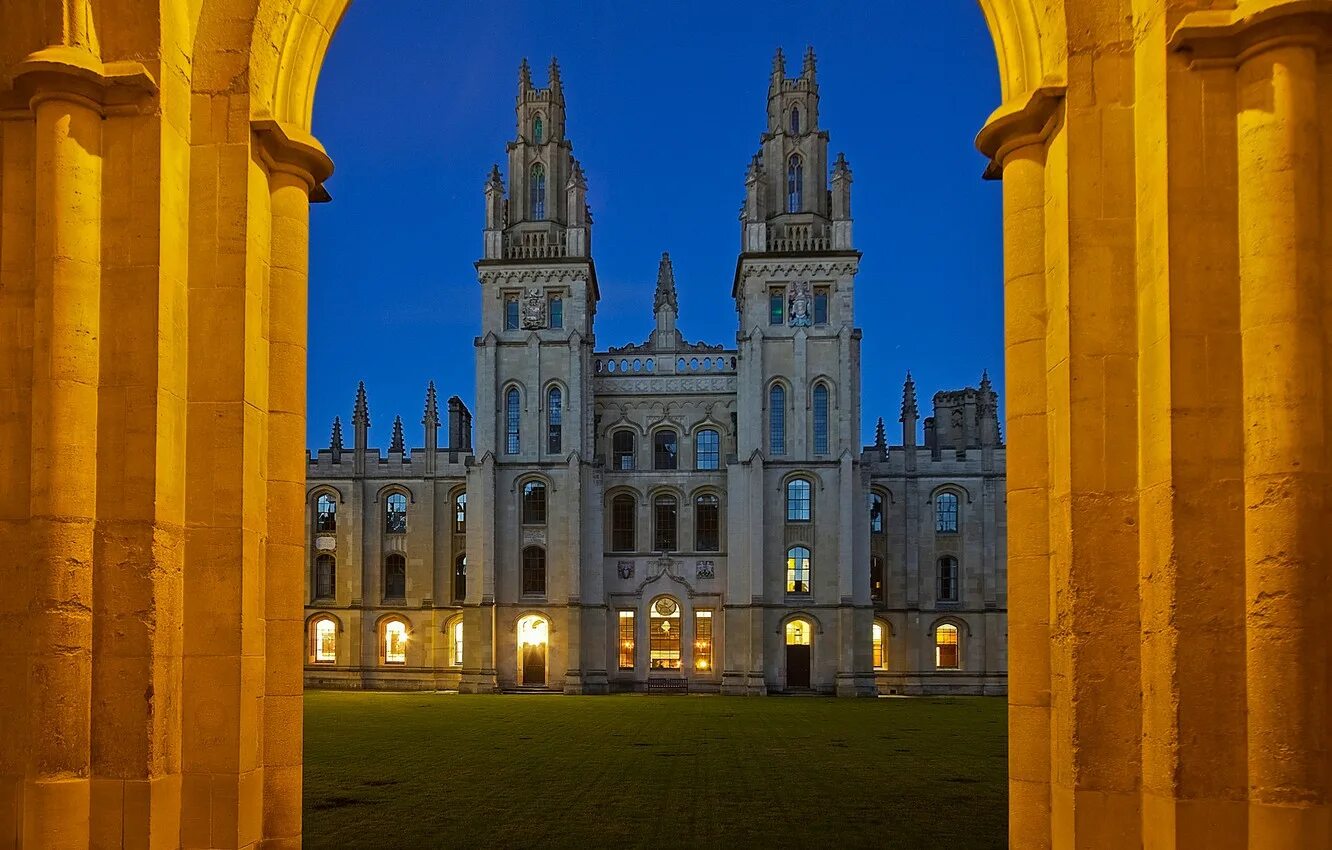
534	309
625	569
801	301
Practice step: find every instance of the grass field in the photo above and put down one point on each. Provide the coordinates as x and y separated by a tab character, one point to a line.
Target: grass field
439	770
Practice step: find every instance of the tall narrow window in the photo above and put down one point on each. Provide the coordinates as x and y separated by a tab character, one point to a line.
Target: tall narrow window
460	578
703	641
457	653
622	449
395	577
511	312
880	647
538	192
797	570
627	640
664	444
556	312
664	634
326	514
776	305
664	510
820	305
777	420
798	500
534	503
876	513
876	578
538	130
945	513
820	419
948	583
395	642
945	647
534	571
707	523
795	184
623	516
395	514
512	416
795	120
460	514
324	642
325	577
707	449
554	420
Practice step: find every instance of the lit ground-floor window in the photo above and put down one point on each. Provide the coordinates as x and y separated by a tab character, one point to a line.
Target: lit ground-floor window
880	656
395	642
703	641
457	642
627	640
664	634
945	647
325	641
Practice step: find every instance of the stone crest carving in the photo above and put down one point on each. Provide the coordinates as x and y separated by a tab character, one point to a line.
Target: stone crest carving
705	569
534	537
534	309
800	303
625	569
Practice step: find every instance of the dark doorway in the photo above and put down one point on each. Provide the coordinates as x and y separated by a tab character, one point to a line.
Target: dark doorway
534	664
797	666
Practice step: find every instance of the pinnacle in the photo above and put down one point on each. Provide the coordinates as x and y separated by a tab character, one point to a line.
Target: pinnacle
431	408
397	444
361	411
665	295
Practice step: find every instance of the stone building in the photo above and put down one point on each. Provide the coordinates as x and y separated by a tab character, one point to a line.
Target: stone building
666	515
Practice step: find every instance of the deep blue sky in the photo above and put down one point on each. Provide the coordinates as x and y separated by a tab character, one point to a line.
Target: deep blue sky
665	103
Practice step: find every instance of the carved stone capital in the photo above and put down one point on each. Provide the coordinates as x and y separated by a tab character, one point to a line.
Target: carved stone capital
1224	38
288	149
71	73
1026	120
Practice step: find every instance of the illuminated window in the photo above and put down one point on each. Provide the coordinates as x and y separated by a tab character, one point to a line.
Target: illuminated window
776	305
534	571
880	653
534	503
538	192
664	513
511	313
460	514
326	514
707	523
664	634
820	419
395	642
627	640
512	416
795	184
876	578
797	633
703	640
395	514
456	650
876	513
325	577
664	449
945	647
948	583
624	511
945	513
798	508
460	578
795	120
820	305
556	312
622	449
797	570
395	577
777	420
538	130
554	420
707	449
324	636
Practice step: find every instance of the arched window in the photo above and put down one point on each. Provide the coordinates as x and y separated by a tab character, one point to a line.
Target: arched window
876	513
664	634
795	121
820	419
554	420
798	633
876	578
664	515
946	655
795	181
456	643
326	514
538	130
622	449
460	514
798	570
664	445
512	416
707	449
395	577
627	640
534	503
534	571
948	583
325	577
538	192
460	577
324	641
880	647
395	514
777	420
395	642
798	498
945	513
624	511
707	523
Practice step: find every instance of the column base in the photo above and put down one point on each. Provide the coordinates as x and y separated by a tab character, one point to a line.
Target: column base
482	682
856	685
591	682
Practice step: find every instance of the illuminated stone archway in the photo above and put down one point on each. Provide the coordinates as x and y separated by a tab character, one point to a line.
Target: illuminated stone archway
1167	269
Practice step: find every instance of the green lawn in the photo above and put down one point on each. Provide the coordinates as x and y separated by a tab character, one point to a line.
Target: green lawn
440	770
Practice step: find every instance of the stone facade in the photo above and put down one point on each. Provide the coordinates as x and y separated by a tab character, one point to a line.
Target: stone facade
665	515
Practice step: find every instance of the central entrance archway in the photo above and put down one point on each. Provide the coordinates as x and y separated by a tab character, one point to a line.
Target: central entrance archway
798	652
533	637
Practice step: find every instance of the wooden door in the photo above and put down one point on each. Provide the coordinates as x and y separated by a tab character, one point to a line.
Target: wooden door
534	664
797	665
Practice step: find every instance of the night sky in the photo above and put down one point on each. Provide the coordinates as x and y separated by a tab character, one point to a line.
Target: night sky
665	106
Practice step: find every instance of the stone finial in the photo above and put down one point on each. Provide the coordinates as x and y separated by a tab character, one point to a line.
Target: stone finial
431	419
841	168
335	440
665	296
880	436
361	412
909	410
577	180
524	77
807	72
397	444
986	389
778	72
493	179
555	84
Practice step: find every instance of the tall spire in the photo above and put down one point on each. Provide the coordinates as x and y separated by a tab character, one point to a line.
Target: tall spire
909	410
335	439
431	418
397	444
808	70
665	296
524	77
361	412
880	436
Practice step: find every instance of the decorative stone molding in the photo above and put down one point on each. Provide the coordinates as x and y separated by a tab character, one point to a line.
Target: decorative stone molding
288	149
1028	120
1226	37
532	275
112	88
816	269
677	384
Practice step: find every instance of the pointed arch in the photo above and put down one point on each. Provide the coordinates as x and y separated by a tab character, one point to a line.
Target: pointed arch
795	184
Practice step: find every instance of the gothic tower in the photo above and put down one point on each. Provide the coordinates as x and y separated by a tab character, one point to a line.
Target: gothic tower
533	479
799	407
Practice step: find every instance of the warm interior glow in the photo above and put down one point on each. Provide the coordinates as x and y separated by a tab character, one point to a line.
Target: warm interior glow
797	633
664	635
532	631
627	654
880	662
325	642
458	643
395	642
945	647
702	640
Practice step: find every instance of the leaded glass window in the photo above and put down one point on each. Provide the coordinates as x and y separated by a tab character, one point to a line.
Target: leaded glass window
948	579
798	570
707	449
664	445
554	420
534	571
538	192
665	512
624	511
707	523
325	577
664	634
326	514
627	640
820	419
945	647
395	577
777	420
622	449
512	418
945	513
798	500
795	184
534	503
395	514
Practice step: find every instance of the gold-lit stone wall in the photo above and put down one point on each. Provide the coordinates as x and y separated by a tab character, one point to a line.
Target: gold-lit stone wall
1167	171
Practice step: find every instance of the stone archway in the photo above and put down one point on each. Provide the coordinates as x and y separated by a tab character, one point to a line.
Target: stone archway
1167	269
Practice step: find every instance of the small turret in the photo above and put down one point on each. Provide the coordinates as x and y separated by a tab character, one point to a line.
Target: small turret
910	418
430	419
335	440
665	306
360	427
841	204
